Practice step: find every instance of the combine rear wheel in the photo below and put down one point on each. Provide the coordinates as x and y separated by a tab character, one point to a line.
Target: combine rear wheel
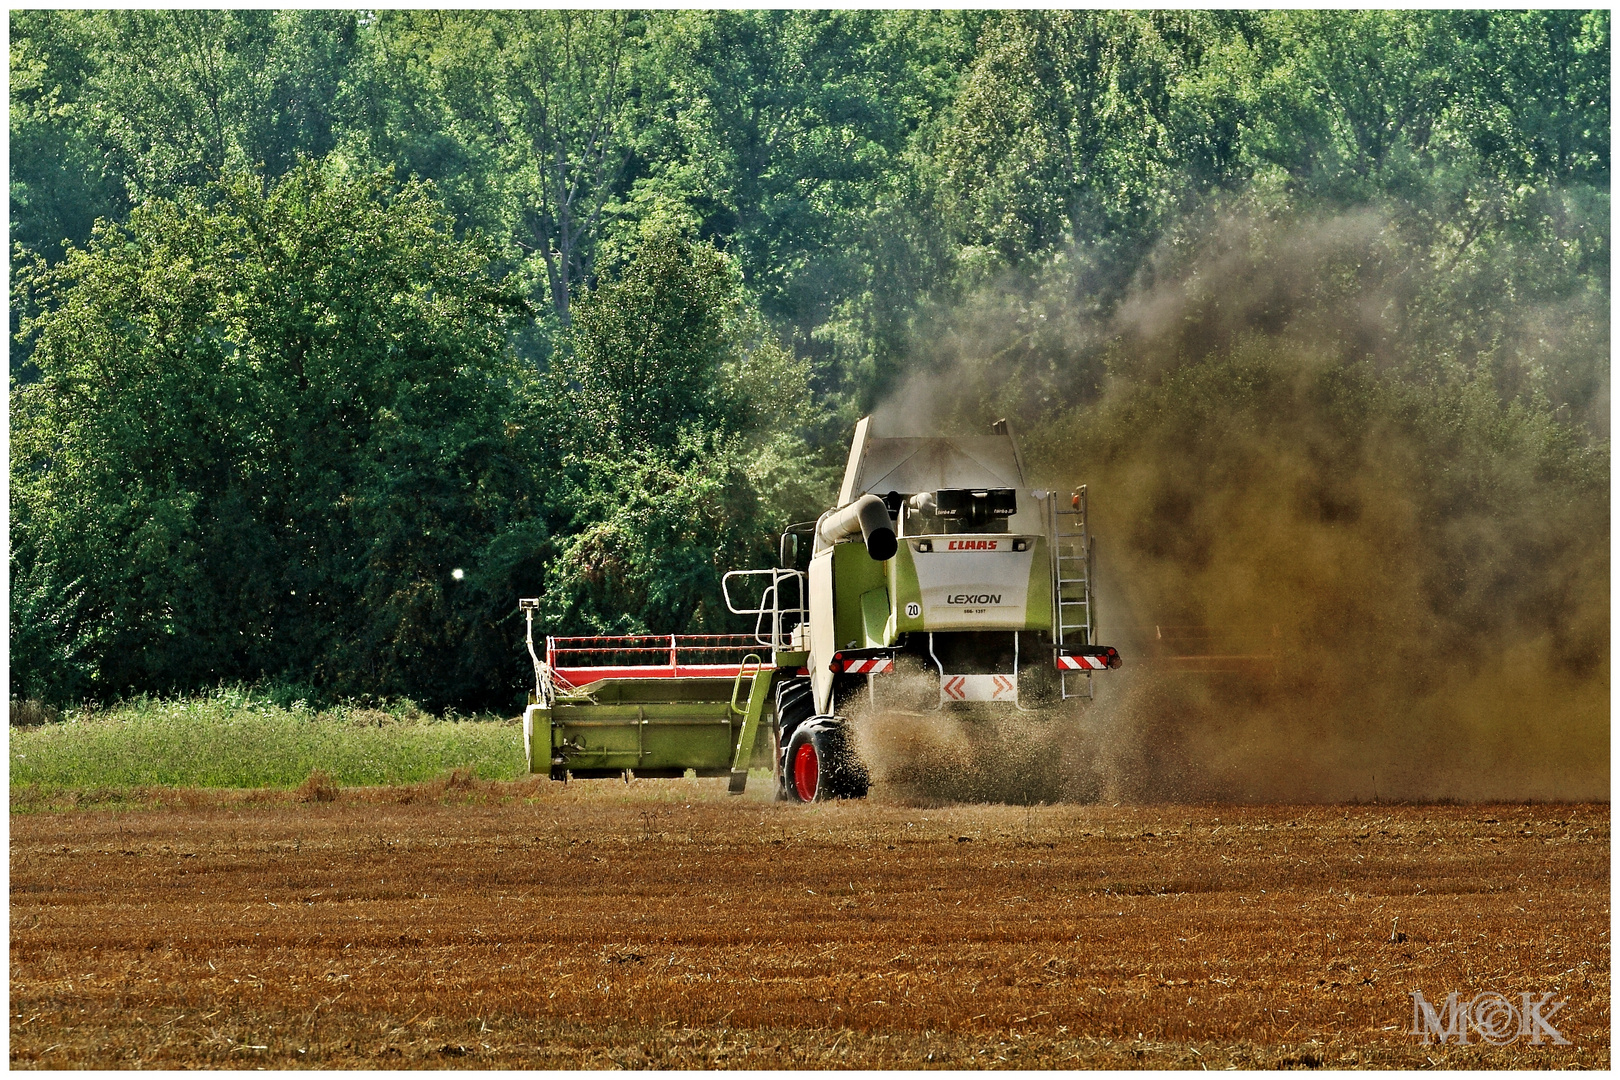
821	764
795	707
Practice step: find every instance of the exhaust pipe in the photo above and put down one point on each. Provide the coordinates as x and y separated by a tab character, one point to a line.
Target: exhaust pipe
867	515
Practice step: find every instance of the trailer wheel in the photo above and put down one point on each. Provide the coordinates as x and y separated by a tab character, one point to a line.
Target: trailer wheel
822	765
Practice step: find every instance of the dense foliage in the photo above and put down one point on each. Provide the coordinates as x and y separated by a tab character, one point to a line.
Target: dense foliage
265	432
583	304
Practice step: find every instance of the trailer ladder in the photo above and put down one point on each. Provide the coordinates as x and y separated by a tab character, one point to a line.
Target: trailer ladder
1073	621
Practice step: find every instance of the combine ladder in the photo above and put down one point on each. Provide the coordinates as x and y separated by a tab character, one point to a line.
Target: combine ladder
1073	624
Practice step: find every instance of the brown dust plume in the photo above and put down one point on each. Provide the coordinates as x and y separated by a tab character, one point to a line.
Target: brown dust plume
1291	460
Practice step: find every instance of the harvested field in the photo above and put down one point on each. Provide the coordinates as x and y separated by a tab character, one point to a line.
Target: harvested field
532	925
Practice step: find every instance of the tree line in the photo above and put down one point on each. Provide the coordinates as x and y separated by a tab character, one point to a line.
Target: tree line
315	308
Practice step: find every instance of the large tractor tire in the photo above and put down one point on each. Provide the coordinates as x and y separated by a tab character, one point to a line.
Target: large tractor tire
795	706
821	764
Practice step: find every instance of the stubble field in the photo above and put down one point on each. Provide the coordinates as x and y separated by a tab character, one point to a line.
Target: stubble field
488	924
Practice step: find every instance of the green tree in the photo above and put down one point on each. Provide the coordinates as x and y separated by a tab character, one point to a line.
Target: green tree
538	102
267	429
1060	134
60	178
647	347
183	95
795	140
108	108
677	414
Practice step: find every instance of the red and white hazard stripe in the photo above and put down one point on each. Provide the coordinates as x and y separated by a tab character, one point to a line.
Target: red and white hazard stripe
877	665
1082	663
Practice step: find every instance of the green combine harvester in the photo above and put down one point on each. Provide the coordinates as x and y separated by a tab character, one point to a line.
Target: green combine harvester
937	557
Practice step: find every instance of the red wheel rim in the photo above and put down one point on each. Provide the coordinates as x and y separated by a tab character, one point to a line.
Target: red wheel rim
806	772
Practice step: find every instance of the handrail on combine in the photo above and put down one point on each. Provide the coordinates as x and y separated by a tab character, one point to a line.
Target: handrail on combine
779	638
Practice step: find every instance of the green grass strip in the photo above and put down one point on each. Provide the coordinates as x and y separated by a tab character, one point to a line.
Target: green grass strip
230	740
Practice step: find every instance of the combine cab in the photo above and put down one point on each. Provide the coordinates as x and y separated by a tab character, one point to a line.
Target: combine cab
937	557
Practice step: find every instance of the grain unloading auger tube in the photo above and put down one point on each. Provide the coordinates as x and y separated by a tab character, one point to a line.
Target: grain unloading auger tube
937	558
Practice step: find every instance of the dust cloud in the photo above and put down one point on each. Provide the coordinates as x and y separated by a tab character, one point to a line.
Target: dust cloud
1294	458
918	753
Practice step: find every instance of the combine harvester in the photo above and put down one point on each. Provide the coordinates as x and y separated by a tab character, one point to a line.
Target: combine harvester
936	551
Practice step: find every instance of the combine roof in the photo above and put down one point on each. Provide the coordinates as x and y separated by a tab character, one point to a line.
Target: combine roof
909	465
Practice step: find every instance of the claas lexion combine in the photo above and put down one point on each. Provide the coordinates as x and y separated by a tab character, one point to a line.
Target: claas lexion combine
938	558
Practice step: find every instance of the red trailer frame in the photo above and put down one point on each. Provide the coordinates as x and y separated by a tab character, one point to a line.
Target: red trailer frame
576	661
